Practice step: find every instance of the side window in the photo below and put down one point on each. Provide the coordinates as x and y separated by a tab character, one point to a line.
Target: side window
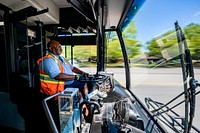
114	57
83	56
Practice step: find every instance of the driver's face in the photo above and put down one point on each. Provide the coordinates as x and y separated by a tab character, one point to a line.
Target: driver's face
56	48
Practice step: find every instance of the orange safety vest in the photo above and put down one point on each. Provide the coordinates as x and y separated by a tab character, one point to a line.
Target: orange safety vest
48	85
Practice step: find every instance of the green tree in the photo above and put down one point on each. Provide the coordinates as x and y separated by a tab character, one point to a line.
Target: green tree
132	45
192	34
114	50
169	42
154	48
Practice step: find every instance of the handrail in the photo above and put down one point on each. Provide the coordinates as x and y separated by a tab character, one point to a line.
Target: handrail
48	113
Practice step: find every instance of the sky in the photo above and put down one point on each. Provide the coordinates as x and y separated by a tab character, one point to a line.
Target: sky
158	16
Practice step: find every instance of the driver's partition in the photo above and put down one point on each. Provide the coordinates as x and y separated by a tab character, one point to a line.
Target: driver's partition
69	114
70	107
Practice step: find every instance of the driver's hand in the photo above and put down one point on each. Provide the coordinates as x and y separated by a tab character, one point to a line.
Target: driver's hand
79	77
107	89
85	74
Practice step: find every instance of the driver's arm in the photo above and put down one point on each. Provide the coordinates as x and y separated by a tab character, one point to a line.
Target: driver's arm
78	71
64	77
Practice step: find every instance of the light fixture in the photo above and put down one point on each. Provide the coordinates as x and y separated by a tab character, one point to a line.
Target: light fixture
2	23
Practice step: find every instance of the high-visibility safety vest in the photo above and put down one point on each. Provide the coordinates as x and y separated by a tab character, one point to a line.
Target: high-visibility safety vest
48	85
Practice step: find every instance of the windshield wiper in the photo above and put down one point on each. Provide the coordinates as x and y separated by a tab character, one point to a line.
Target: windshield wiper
188	72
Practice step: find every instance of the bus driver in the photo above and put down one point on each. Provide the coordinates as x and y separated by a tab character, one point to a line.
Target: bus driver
56	74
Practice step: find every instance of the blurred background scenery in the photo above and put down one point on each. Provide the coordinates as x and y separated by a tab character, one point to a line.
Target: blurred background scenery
153	51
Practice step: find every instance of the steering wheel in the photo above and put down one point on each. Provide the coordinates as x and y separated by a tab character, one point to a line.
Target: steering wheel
95	78
96	81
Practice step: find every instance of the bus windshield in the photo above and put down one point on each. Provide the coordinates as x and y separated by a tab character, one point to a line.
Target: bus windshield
154	53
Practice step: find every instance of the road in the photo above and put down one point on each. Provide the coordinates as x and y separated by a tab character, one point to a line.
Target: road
160	84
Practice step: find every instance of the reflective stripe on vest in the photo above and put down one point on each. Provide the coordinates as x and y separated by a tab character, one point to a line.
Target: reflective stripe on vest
47	78
50	86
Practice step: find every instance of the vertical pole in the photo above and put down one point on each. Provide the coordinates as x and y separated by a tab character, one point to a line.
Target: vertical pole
28	56
8	43
72	53
126	61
